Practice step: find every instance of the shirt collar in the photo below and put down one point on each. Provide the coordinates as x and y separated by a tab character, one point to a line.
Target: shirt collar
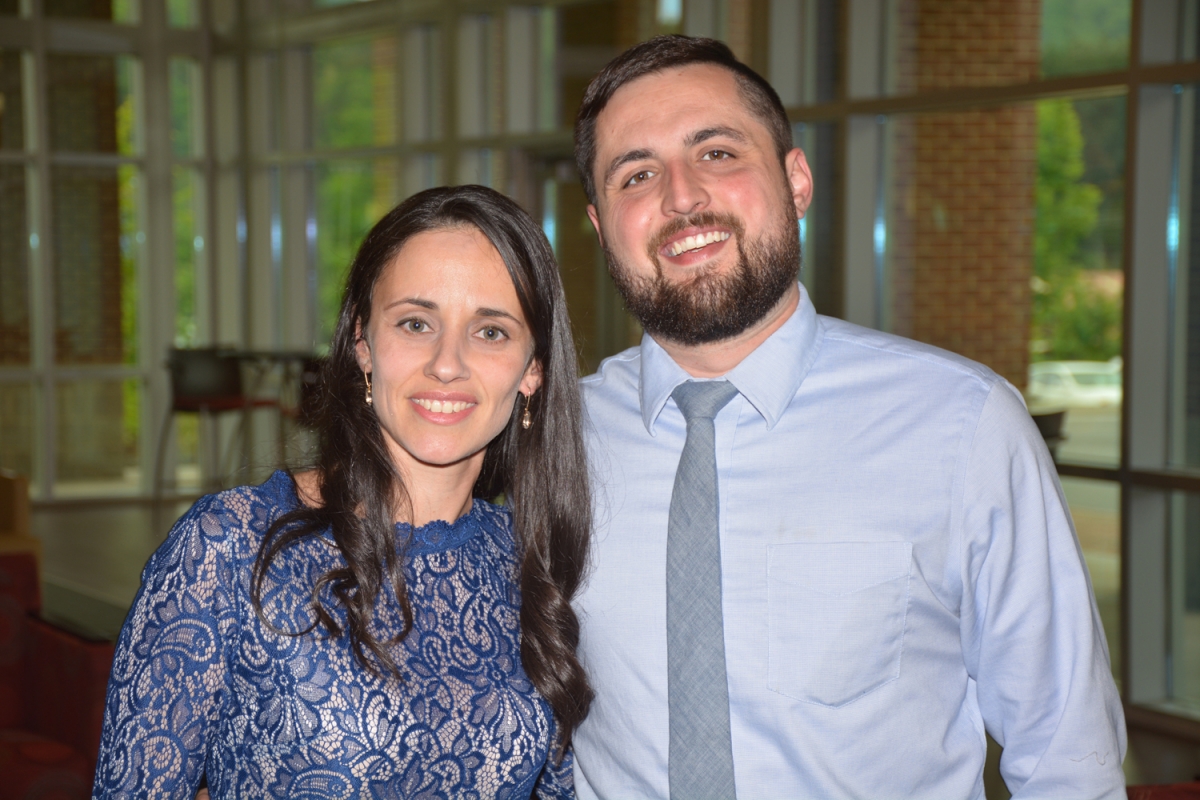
768	378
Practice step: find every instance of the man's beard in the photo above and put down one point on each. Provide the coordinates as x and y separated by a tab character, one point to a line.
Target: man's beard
711	306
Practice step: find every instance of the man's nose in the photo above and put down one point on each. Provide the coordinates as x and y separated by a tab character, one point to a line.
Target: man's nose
446	362
685	192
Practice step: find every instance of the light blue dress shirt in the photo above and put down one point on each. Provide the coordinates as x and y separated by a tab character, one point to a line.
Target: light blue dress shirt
899	572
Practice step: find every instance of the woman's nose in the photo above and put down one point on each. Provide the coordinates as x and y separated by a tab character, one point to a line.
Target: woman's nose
446	362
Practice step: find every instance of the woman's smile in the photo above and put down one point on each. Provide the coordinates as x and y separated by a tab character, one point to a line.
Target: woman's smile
444	409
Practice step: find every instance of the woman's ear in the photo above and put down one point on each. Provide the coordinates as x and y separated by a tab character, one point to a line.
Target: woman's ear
532	380
362	350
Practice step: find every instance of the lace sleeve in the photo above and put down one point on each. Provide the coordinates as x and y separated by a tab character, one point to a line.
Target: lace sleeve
170	676
557	781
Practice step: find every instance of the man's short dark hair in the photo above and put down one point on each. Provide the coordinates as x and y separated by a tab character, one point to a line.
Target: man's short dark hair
662	53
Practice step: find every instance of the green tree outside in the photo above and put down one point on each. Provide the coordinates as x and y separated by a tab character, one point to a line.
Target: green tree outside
1075	316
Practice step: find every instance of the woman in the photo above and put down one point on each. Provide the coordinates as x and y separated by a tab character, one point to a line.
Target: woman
374	627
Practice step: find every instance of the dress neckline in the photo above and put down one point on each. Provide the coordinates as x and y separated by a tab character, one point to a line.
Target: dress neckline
433	537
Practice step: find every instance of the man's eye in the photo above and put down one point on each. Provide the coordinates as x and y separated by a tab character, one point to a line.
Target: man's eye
639	177
716	155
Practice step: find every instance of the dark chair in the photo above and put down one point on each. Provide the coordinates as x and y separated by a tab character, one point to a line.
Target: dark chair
1050	425
204	381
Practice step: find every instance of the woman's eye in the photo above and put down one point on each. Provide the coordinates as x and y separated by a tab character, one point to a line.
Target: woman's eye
492	334
414	325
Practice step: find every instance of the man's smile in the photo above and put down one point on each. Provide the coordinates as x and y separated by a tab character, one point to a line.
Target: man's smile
694	241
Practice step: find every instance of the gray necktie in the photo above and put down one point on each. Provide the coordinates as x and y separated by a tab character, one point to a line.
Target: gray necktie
701	754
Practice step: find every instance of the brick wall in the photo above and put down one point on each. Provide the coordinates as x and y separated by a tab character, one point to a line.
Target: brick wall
961	200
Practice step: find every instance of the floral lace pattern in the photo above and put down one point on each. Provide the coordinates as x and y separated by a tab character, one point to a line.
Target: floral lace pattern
201	685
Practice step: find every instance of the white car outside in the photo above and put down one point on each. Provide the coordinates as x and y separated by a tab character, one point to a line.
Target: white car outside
1074	384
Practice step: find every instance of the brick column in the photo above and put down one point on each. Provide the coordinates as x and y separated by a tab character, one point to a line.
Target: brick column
962	184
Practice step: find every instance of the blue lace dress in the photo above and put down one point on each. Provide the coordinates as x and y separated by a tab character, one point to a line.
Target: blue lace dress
201	686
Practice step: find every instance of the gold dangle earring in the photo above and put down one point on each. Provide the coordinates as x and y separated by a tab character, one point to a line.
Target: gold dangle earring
367	377
526	418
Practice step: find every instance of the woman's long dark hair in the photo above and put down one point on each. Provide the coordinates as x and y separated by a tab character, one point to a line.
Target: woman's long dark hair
541	470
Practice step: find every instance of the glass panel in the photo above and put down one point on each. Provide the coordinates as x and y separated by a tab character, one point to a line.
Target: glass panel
1170	32
351	196
422	83
186	135
97	433
188	244
16	428
125	11
803	50
1081	36
421	172
188	477
479	85
93	103
963	272
182	13
1078	284
480	166
354	92
959	257
1183	603
944	45
1096	508
12	109
1184	252
97	243
819	270
14	267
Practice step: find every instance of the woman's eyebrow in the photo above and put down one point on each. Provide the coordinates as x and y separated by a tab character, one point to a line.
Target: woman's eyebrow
412	301
495	312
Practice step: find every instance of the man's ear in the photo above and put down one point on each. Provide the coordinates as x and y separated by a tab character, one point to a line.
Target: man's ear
362	350
799	180
594	216
531	381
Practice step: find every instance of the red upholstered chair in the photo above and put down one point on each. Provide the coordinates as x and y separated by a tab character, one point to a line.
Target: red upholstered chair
52	687
1174	791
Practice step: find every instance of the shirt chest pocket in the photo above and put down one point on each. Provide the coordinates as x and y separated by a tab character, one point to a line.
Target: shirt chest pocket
836	615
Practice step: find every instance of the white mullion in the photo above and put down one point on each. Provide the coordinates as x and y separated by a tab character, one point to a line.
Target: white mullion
157	303
41	259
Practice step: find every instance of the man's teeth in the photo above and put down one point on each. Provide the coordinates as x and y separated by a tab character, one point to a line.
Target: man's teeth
442	406
698	241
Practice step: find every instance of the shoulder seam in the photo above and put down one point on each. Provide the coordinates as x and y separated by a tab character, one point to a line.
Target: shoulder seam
945	363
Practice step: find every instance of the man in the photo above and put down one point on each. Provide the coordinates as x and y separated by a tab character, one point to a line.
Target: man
895	570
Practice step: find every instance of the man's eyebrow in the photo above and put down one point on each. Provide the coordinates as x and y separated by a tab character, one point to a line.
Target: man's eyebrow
622	160
705	134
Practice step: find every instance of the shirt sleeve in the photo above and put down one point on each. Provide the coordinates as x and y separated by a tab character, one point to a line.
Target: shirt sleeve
169	676
1031	632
